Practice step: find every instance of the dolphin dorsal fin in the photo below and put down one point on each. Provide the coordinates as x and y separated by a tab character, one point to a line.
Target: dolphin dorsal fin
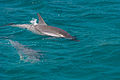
41	21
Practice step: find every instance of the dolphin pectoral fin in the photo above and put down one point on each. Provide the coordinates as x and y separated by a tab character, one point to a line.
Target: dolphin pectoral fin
41	21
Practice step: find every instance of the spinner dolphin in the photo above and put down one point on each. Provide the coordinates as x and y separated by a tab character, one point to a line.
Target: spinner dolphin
42	28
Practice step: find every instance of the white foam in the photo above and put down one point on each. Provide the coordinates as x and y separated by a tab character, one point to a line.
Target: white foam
34	21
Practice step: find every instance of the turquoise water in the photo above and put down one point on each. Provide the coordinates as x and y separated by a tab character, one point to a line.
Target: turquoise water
28	56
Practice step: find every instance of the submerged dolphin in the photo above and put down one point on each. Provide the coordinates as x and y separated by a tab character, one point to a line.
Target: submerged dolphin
43	29
26	54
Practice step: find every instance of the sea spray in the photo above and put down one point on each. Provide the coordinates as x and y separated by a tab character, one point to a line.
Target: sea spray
33	21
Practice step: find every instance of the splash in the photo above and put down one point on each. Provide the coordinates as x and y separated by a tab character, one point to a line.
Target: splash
26	54
33	21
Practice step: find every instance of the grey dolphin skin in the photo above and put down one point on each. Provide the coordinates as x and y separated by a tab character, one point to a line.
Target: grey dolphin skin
43	29
26	54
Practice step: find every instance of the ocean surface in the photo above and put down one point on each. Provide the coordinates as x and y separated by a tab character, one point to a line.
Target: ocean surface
28	56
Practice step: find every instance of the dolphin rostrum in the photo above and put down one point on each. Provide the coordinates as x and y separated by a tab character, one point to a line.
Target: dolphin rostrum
43	29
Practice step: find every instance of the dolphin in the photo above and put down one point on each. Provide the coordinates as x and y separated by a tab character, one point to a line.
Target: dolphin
26	54
43	29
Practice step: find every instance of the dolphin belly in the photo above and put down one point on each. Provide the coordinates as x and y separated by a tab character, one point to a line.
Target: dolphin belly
52	34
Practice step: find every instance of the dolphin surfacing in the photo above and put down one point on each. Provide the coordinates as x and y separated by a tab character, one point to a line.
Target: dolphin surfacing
43	29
